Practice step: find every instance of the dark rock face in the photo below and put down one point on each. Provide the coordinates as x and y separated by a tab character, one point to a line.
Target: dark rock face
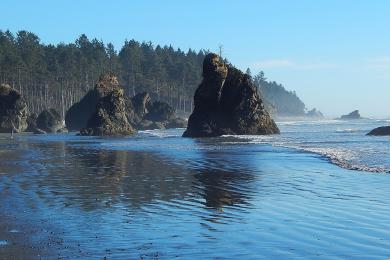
353	115
226	102
77	116
380	131
13	110
109	117
49	121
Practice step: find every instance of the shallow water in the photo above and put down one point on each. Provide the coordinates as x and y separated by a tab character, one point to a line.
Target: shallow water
157	195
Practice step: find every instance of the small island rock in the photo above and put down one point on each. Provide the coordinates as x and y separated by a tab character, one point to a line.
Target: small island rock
353	115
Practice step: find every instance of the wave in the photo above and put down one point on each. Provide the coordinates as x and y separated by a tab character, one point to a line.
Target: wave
342	157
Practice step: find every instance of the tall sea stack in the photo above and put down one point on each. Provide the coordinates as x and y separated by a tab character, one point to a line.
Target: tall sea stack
226	102
109	117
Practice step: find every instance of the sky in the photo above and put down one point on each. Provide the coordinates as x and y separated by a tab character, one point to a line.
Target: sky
335	54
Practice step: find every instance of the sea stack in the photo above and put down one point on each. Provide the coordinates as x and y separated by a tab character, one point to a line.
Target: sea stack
351	116
109	117
13	110
227	102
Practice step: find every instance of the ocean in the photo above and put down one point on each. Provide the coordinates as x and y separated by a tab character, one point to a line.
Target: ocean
319	189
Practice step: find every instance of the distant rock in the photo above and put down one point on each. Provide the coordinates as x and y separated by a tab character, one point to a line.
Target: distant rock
353	115
147	115
109	117
141	104
13	110
160	111
380	131
226	102
49	121
314	113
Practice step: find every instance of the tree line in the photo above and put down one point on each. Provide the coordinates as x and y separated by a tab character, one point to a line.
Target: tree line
56	76
278	101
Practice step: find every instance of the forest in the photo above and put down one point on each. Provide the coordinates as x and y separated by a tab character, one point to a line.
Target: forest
57	76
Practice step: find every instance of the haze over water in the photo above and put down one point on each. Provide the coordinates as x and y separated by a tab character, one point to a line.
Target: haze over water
157	195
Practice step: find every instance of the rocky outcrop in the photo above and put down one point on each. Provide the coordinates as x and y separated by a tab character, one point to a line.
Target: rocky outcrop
109	117
353	115
226	102
380	131
13	110
49	121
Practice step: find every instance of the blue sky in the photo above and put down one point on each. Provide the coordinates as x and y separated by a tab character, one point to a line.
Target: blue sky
334	54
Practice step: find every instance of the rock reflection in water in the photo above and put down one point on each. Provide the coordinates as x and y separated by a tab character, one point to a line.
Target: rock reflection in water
223	180
95	178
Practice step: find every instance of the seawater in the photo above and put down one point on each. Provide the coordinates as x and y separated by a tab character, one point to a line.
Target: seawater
157	195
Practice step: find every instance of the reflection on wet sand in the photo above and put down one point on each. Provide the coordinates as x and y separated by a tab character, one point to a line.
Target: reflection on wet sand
96	179
93	178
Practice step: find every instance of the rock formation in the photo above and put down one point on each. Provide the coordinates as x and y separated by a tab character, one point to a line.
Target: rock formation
353	115
160	112
109	117
148	115
49	121
141	104
380	131
314	113
13	110
226	102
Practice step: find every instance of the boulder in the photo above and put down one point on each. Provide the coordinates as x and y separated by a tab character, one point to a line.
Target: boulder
13	110
227	102
109	117
49	121
380	131
353	115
